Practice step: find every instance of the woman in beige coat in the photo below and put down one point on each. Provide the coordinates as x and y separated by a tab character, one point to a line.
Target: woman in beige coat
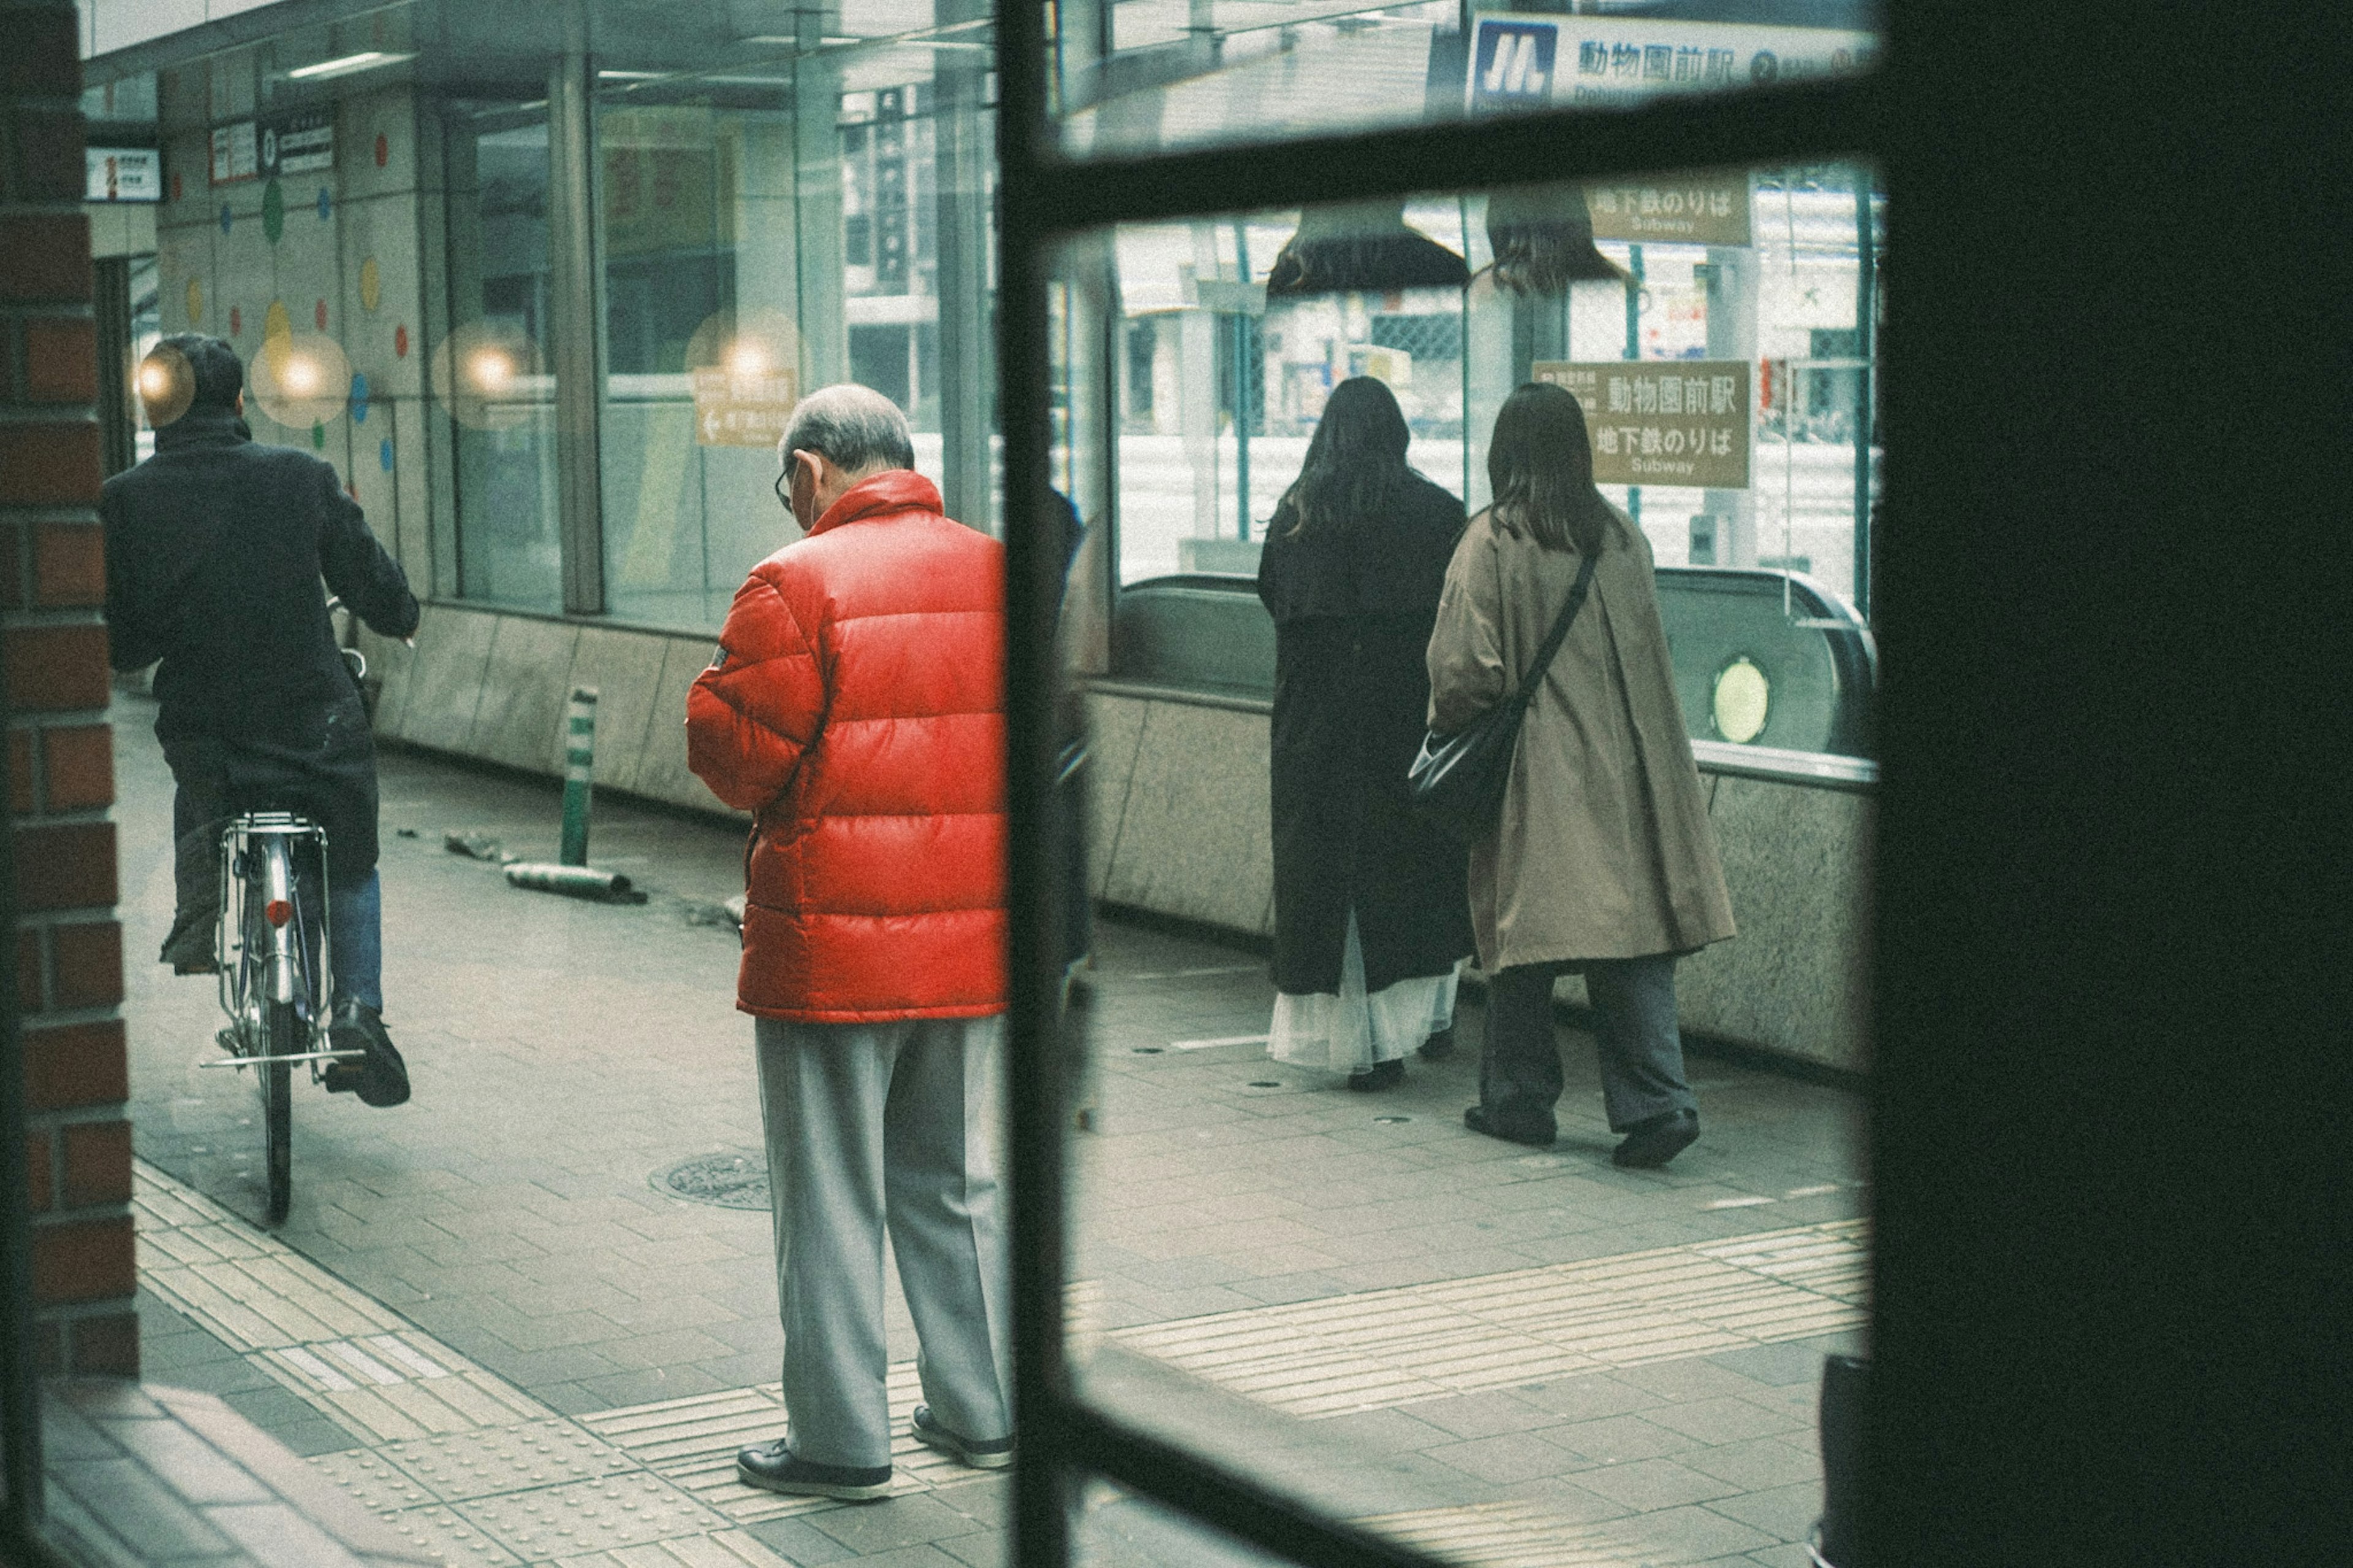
1603	863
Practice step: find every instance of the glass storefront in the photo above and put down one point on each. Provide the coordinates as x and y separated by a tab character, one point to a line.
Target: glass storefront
491	376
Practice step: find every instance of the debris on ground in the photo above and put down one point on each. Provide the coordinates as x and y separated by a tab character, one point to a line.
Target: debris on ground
728	916
478	847
574	881
405	832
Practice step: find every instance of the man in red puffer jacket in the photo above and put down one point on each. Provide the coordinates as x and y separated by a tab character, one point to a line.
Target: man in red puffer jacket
857	708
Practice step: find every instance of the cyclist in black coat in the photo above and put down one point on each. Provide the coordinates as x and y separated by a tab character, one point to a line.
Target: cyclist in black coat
216	548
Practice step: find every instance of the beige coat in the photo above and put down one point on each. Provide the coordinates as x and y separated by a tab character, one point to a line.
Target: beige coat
1605	849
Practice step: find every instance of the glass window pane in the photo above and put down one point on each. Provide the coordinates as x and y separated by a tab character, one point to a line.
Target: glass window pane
1715	324
491	376
752	253
1141	76
1516	1336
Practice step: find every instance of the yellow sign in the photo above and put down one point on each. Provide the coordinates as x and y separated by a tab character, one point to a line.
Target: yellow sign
742	408
1662	422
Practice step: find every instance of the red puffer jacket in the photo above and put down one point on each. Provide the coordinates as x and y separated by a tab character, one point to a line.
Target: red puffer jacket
857	707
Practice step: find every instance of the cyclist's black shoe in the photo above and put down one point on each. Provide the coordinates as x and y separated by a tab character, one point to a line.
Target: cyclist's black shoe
382	1079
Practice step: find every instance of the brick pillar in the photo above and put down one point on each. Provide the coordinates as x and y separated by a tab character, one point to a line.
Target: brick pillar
67	977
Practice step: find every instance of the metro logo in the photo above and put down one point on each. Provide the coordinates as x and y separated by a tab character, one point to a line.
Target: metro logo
1513	63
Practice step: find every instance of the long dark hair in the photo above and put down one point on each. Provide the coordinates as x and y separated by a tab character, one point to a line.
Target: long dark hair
1541	472
1355	463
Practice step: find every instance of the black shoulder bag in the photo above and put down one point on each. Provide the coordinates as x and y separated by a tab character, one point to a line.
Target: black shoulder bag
1457	783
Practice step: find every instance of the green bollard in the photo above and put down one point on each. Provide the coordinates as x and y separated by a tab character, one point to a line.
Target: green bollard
579	764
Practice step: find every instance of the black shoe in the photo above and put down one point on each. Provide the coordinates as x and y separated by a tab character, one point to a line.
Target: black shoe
1475	1118
381	1081
771	1466
1439	1047
993	1455
1380	1075
1651	1143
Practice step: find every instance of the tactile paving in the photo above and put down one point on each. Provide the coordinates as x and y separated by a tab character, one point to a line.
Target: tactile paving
377	1485
591	1516
442	1533
489	1460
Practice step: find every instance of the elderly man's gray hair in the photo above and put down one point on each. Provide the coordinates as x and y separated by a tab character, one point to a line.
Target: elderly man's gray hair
851	426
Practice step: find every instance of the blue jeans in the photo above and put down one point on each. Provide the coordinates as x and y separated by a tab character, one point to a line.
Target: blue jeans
355	938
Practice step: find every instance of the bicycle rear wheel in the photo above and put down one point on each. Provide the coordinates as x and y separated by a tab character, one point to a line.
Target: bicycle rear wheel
281	1035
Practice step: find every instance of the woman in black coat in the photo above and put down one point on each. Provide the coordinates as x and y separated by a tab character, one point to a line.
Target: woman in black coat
1370	910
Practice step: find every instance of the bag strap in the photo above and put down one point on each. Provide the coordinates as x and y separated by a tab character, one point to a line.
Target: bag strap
1559	633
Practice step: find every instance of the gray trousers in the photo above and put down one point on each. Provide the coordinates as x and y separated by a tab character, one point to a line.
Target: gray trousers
1641	1049
876	1124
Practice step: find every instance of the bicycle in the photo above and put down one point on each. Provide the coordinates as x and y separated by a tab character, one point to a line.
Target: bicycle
275	960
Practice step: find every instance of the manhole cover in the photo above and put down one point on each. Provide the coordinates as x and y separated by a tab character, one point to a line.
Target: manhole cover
1390	1121
728	1181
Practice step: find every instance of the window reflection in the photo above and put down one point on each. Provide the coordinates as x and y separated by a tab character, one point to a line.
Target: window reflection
1142	76
489	375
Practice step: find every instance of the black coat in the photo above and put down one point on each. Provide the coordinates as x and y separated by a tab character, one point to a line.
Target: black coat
1353	609
215	549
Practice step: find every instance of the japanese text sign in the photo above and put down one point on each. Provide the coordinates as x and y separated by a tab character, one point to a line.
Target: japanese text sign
123	175
1662	422
300	144
1705	208
236	153
1523	61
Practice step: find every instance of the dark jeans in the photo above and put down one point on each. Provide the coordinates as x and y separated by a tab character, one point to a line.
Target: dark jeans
1641	1050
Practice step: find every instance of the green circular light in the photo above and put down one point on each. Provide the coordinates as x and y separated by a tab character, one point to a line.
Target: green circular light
1741	701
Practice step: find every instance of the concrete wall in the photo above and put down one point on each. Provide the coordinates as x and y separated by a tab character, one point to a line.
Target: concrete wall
492	686
1179	807
1181	827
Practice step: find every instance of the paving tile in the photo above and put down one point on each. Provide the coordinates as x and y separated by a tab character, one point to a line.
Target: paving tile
989	1500
1481	1414
298	1424
902	1520
1652	1484
200	1473
1515	1457
1691	1535
279	1537
1588	1398
801	1541
1689	1380
1616	1439
1774	1364
987	1548
138	1509
1726	1420
1786	1512
1759	1464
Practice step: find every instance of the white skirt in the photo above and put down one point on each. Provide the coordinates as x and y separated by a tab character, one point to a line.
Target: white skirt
1351	1031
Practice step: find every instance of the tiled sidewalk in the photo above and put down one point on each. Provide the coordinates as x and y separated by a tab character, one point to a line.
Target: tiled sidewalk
1471	1341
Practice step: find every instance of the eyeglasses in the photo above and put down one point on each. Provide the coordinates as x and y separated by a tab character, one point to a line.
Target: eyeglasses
783	497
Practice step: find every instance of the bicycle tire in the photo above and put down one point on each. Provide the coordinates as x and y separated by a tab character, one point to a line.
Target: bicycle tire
281	1035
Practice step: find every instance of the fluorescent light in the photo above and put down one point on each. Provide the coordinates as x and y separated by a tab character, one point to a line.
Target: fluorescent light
629	76
347	65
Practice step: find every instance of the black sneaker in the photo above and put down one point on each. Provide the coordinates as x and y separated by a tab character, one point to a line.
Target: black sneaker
382	1079
993	1455
771	1466
1380	1075
1439	1047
